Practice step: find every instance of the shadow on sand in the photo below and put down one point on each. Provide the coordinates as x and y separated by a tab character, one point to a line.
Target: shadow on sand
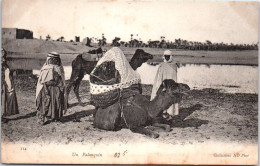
74	117
77	116
29	115
179	120
77	103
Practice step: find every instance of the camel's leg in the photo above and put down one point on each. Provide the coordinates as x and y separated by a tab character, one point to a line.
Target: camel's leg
73	78
145	131
69	86
65	100
66	95
176	106
76	87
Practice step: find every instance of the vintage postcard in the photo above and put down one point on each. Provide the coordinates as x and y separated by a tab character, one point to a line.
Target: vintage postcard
129	82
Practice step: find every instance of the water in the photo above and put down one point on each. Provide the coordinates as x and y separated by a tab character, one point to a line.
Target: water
227	78
67	70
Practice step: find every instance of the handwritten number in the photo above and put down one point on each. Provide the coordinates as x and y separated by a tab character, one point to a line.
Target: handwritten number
124	153
117	155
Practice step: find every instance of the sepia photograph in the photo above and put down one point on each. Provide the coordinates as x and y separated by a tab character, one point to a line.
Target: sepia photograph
129	82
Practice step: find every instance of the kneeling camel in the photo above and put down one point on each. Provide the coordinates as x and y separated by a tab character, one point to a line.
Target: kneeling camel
137	112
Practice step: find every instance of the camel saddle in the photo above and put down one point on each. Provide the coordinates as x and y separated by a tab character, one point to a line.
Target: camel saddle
108	118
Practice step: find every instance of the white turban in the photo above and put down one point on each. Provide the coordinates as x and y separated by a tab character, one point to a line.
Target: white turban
167	52
53	55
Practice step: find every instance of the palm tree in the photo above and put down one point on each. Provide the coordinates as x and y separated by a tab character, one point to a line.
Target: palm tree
208	44
115	42
48	37
103	41
131	43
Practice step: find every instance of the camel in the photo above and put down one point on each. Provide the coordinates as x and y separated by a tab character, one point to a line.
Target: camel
137	112
80	67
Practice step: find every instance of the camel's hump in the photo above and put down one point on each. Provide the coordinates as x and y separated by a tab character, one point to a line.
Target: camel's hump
90	57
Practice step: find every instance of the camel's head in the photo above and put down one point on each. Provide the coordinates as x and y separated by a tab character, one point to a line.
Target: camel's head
173	89
140	57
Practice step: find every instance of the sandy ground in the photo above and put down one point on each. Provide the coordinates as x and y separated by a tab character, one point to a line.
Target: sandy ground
205	116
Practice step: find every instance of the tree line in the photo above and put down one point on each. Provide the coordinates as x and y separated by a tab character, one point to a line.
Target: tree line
162	43
184	44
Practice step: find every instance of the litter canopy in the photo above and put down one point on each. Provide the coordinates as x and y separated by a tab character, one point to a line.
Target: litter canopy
116	79
128	76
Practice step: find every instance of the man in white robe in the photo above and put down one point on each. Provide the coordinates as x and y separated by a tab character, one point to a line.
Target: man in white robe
166	70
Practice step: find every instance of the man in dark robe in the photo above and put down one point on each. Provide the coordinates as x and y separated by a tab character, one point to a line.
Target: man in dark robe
50	90
9	101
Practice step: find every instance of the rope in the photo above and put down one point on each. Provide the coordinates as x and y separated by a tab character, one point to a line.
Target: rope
98	78
121	108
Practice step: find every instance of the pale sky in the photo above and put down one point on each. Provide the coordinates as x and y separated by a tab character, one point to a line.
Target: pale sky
227	22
